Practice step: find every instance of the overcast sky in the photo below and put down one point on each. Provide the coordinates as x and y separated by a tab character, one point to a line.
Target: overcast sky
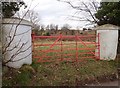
54	12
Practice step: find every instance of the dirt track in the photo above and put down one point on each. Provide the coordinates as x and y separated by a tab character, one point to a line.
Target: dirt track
112	83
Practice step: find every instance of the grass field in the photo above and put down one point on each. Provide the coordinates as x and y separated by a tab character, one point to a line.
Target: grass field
61	73
68	50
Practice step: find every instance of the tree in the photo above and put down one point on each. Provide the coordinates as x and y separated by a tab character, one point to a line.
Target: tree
66	27
97	14
31	16
84	29
47	27
52	27
10	8
42	27
85	11
108	12
56	27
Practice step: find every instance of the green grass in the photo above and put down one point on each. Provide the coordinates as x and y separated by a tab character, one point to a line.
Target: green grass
64	50
68	73
59	73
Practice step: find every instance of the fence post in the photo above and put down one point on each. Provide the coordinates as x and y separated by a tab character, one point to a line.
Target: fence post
76	36
61	47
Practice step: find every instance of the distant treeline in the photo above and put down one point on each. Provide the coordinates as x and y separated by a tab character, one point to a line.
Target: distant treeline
63	32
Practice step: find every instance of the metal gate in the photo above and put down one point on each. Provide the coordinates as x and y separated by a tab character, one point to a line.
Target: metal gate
65	48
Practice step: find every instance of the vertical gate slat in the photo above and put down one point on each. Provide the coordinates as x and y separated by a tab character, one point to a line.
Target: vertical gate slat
76	38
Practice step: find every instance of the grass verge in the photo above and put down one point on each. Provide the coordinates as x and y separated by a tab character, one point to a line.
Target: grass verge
60	73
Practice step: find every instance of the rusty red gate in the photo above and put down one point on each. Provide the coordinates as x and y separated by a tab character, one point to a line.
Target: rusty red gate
65	48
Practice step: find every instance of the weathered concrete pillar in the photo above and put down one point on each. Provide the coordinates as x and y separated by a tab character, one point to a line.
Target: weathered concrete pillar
108	41
17	42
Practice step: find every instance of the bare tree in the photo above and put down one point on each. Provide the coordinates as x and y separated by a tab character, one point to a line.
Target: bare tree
31	16
66	27
85	11
52	27
47	27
